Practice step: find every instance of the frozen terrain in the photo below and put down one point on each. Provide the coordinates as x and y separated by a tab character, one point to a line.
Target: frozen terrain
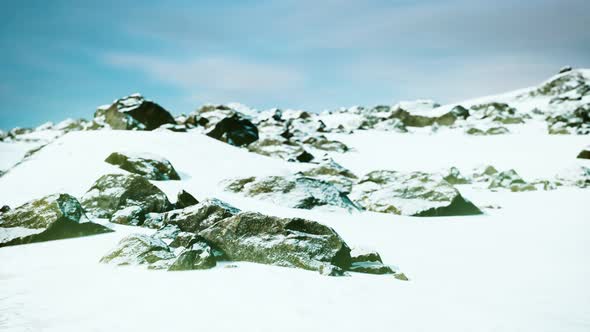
521	266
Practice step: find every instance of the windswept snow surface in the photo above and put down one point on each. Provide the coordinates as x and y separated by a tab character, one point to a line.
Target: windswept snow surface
523	267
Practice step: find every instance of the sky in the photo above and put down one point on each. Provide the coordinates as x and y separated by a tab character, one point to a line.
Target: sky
63	58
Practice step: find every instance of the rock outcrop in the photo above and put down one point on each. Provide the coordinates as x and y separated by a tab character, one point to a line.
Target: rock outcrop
133	113
53	217
148	165
292	191
124	199
413	194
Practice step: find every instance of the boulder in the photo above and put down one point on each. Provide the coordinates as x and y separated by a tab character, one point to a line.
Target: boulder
141	249
330	171
184	199
413	194
454	176
198	256
584	154
148	165
367	261
321	142
304	157
510	180
52	217
460	112
289	242
235	130
292	191
133	112
200	216
498	112
489	131
131	195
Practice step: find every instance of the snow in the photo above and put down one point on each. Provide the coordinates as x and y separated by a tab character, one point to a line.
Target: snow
519	267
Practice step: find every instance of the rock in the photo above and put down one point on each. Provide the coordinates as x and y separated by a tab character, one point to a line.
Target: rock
359	255
489	131
484	173
320	142
168	232
184	199
278	148
200	216
498	112
413	194
4	208
148	165
140	249
460	112
288	242
133	112
198	256
565	69
133	194
304	157
584	154
366	261
510	180
235	130
292	191
453	176
330	171
52	217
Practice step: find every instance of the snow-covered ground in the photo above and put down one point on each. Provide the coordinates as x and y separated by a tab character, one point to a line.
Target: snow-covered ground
523	267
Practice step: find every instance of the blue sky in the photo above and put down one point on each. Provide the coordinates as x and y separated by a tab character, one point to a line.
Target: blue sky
63	58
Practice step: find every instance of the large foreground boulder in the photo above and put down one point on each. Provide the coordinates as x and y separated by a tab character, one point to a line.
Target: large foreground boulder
133	112
53	217
295	242
295	191
148	165
235	130
124	198
412	194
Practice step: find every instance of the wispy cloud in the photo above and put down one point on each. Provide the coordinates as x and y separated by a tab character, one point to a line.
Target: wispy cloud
213	77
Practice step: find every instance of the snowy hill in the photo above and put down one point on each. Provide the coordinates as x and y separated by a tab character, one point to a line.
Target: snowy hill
482	205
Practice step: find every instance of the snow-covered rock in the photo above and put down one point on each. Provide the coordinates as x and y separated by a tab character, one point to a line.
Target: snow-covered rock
292	191
197	217
140	249
149	165
53	217
413	194
133	112
128	197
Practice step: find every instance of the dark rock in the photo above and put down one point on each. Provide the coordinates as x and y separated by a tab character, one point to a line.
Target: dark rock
53	217
184	199
235	130
304	157
134	112
510	180
128	194
453	176
289	242
584	154
150	166
460	112
4	208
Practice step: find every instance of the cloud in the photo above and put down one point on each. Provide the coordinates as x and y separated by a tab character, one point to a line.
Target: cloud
213	77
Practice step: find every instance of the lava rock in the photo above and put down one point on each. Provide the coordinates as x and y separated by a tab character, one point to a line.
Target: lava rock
52	217
132	195
150	166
